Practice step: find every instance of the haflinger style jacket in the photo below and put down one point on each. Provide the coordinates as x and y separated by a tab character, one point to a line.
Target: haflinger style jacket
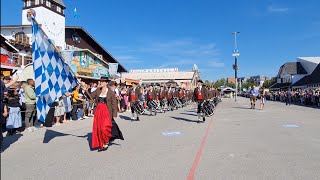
151	95
162	94
135	95
201	96
111	101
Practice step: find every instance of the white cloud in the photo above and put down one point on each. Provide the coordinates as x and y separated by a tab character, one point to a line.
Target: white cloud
126	59
121	58
173	53
272	9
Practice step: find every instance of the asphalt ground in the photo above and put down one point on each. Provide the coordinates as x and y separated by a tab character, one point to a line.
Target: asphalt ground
280	142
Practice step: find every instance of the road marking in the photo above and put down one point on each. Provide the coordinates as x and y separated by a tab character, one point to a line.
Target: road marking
171	133
198	156
291	126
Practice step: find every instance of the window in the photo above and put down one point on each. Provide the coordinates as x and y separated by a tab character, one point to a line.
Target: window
37	2
48	3
28	3
59	9
41	1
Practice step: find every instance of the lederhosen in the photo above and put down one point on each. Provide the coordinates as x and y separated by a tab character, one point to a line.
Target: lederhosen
134	98
162	95
150	97
169	97
199	97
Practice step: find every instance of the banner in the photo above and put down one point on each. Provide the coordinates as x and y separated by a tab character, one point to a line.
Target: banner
113	68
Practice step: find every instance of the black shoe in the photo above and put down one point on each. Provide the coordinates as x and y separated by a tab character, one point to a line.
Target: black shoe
103	149
138	119
204	119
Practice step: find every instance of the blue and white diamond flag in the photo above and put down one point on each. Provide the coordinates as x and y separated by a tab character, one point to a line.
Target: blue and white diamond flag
53	77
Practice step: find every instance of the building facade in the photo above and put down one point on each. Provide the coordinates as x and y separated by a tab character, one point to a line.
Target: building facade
185	79
50	16
293	72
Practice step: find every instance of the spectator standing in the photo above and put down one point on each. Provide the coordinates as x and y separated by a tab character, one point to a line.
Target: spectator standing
68	106
22	101
59	111
76	103
288	97
30	99
14	120
4	84
262	98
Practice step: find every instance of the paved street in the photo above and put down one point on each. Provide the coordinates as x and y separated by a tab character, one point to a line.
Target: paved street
280	142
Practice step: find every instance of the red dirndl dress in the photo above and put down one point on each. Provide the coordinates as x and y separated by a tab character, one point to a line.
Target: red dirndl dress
102	125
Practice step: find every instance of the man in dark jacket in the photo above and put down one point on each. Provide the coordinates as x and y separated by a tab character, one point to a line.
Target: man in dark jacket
151	96
200	96
134	97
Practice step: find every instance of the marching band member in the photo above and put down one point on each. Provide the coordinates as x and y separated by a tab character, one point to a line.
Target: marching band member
169	98
162	97
200	96
134	97
151	96
174	94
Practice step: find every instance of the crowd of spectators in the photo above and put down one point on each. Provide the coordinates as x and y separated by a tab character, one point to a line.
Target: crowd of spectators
310	98
19	104
298	97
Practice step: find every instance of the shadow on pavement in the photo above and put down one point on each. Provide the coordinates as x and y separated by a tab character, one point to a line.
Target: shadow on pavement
8	140
190	114
50	134
184	119
125	118
241	107
191	110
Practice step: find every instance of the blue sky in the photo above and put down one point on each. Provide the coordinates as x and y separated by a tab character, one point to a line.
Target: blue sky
180	33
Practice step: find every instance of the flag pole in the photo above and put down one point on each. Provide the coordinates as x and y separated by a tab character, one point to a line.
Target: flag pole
30	15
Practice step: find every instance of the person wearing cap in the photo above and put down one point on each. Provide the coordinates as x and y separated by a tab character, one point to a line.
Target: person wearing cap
134	98
106	109
151	96
200	96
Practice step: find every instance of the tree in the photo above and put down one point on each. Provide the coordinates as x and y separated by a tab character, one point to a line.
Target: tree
247	84
269	83
219	83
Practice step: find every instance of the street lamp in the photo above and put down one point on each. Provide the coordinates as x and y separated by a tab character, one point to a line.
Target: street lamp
236	54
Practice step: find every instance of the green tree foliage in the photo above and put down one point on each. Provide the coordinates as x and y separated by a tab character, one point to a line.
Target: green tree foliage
219	83
268	83
247	84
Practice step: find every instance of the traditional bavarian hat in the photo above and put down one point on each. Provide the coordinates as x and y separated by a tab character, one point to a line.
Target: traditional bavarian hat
104	79
200	81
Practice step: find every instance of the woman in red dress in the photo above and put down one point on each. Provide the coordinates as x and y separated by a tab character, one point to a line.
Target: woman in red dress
102	124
